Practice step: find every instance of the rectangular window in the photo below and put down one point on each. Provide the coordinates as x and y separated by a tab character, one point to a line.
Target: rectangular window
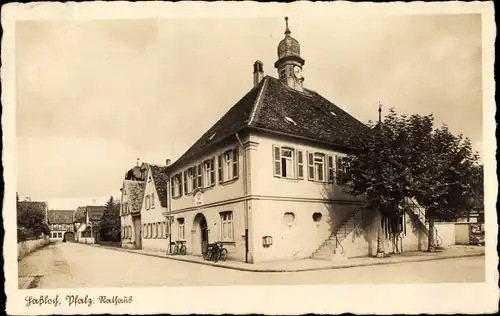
152	200
178	185
331	169
319	167
161	228
144	231
180	224
230	165
59	234
155	230
287	163
199	176
209	172
227	226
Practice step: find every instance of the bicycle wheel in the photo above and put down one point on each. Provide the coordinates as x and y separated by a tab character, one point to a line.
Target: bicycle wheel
223	254
183	250
207	254
176	250
216	255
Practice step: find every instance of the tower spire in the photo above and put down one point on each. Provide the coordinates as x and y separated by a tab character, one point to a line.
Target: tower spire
379	112
287	30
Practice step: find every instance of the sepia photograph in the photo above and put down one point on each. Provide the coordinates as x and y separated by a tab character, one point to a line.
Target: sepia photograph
208	149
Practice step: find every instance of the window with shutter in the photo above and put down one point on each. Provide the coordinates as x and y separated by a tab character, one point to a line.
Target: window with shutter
172	186
199	176
300	164
220	174
277	160
186	180
310	165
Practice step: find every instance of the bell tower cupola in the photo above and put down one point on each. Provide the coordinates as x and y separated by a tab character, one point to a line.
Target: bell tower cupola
289	63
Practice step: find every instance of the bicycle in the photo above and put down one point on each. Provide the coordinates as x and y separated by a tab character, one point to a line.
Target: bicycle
179	248
215	252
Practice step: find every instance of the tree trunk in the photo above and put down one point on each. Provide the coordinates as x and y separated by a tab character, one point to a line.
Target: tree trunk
380	239
430	244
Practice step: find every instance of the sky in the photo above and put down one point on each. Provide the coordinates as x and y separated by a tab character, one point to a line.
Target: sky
92	96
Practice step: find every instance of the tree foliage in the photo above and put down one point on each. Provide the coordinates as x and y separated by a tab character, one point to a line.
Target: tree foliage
405	157
30	221
109	225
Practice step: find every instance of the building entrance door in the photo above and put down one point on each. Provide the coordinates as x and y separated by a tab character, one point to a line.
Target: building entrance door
203	234
137	233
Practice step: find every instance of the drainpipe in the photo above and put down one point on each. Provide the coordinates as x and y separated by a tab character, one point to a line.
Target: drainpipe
245	193
169	212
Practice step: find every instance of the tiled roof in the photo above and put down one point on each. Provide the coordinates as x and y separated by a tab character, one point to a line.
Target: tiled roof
161	183
60	216
135	192
95	212
272	106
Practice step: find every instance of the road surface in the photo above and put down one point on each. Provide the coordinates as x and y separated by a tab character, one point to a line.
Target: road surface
72	265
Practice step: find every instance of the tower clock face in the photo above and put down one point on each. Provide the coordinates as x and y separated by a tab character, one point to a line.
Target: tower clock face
297	72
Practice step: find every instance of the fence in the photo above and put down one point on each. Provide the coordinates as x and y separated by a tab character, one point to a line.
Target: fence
28	246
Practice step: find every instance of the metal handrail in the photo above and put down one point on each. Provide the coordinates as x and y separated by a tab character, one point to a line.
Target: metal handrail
338	243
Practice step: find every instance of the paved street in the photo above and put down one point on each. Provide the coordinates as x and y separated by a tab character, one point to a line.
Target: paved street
70	265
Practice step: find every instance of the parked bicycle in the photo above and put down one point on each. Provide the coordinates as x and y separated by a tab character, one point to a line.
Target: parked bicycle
215	252
178	248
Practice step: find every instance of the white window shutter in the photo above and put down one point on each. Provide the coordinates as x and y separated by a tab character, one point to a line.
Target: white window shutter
330	168
300	164
220	173
277	160
235	163
310	165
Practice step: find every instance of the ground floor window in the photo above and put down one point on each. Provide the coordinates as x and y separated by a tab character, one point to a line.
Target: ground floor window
59	235
227	226
180	224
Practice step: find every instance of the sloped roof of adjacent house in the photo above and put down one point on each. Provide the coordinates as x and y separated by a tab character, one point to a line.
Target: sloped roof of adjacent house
272	106
60	216
135	192
161	182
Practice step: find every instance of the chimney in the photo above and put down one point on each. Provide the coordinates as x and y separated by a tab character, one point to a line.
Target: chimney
258	72
168	162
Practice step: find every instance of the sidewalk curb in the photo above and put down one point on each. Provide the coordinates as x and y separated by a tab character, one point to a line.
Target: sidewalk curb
343	266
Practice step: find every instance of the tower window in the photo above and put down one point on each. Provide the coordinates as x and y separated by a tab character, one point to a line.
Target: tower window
283	73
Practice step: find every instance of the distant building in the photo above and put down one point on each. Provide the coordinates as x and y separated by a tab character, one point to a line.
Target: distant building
144	201
61	225
87	220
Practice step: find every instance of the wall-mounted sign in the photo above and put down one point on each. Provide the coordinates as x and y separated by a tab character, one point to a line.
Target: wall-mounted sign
198	198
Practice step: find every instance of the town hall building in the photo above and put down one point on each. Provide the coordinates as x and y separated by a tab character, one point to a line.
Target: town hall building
265	180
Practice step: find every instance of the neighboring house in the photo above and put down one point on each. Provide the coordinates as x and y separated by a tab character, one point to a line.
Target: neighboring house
88	231
265	179
61	225
144	203
132	194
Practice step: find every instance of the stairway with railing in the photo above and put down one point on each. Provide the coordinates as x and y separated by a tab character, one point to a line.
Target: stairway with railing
420	214
332	247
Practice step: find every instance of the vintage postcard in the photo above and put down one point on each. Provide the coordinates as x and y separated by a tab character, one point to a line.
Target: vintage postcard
243	157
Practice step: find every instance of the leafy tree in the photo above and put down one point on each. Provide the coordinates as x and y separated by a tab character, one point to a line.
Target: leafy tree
109	225
381	166
30	221
444	184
